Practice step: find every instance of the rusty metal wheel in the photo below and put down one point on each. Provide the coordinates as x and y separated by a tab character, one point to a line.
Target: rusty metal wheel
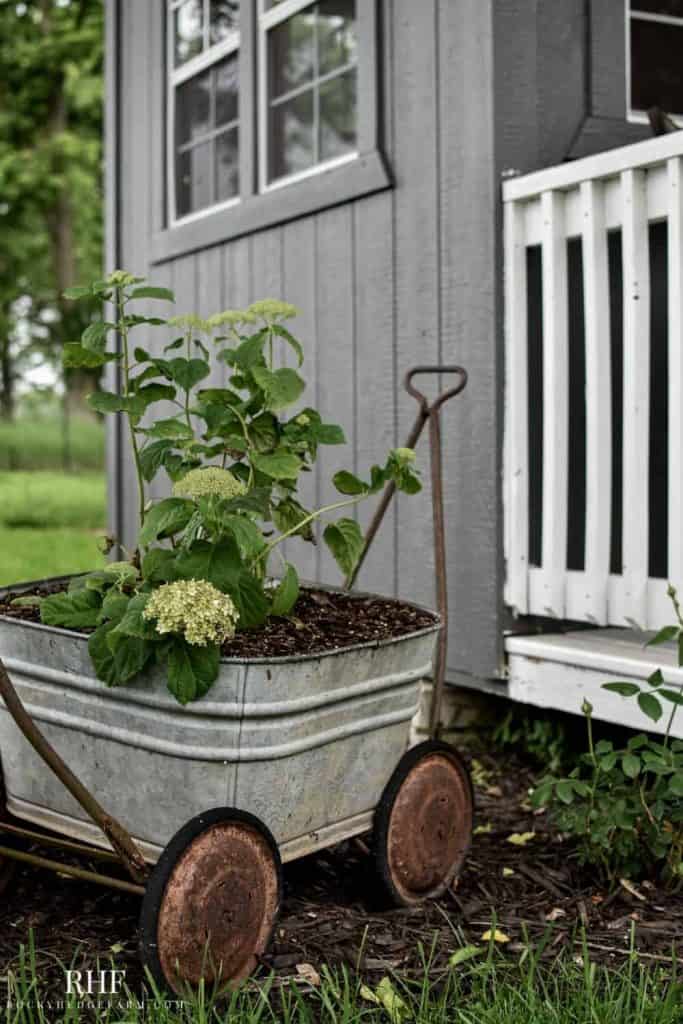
212	901
423	824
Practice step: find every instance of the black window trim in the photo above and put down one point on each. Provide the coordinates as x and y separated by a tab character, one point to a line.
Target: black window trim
363	175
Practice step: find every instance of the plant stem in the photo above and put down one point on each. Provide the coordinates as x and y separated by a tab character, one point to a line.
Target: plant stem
123	328
188	343
311	517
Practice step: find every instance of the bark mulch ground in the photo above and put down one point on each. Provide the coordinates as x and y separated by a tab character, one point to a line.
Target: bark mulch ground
329	916
322	620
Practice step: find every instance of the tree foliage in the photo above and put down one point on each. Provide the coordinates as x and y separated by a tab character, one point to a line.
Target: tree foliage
51	54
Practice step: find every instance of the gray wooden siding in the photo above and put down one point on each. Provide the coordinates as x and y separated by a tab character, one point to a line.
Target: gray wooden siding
409	275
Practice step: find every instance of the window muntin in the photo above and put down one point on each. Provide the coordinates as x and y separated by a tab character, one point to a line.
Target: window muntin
309	104
203	106
654	48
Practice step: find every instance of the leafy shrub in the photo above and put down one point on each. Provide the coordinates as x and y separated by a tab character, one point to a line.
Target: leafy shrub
624	805
544	738
235	462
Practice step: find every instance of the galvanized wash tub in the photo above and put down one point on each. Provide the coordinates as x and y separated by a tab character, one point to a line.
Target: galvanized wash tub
307	744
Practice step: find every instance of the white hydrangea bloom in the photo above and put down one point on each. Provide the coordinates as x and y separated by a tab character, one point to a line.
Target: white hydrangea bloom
212	480
194	609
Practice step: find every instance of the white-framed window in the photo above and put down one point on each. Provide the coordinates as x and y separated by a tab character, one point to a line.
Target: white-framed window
203	106
308	87
654	57
261	96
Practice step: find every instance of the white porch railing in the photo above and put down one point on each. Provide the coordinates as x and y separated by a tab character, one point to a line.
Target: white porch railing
626	190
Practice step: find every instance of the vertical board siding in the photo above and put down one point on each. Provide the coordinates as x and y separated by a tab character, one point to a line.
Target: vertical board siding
417	264
467	299
299	287
383	283
335	391
375	378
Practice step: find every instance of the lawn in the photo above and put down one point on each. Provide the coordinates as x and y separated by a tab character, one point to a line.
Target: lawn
49	523
38	443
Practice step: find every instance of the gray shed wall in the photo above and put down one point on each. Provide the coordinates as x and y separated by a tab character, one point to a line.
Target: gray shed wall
408	275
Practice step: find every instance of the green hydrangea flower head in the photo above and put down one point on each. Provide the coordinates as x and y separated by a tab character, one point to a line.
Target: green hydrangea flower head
121	279
190	322
404	456
193	609
212	480
125	572
272	311
231	318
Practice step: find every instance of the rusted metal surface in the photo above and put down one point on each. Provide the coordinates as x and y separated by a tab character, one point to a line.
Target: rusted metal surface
7	866
429	828
120	840
68	869
46	839
432	413
219	906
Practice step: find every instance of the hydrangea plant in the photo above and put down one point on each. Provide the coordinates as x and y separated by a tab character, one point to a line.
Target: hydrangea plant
203	567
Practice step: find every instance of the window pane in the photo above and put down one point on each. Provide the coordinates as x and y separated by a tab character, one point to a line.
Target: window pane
291	49
194	179
188	28
336	34
227	165
338	116
227	91
193	108
224	19
656	66
291	135
674	8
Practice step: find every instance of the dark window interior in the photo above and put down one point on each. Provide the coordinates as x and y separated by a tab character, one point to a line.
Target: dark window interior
657	57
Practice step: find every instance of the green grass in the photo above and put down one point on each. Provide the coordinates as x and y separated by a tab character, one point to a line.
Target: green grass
489	988
36	443
49	523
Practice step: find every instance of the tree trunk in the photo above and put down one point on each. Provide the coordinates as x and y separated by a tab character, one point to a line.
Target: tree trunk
6	380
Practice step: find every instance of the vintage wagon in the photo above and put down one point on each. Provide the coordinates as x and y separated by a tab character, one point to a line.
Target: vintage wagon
284	757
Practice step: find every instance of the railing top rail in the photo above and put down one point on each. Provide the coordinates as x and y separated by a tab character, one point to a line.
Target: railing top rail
602	165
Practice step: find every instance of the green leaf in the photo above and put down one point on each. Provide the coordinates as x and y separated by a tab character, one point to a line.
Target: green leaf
247	534
565	791
280	387
158	566
664	636
675	696
94	337
656	678
192	670
155	393
347	483
248	354
281	465
132	622
170	430
631	765
623	689
263	432
287	593
188	372
79	291
114	606
288	514
165	519
650	706
676	784
219	563
250	600
79	609
329	433
75	357
152	458
150	292
291	341
465	953
116	664
345	541
108	402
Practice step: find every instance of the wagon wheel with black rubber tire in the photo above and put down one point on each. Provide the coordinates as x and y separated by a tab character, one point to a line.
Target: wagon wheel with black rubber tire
212	901
423	824
7	865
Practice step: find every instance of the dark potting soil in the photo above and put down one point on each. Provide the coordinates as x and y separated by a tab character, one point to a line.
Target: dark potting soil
321	621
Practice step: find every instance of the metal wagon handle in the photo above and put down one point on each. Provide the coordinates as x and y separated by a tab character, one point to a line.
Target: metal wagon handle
427	411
